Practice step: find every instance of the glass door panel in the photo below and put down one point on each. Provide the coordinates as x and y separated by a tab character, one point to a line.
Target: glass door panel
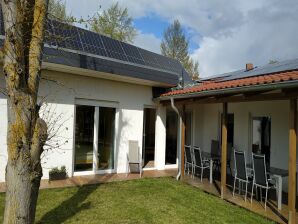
106	129
171	137
84	137
261	136
188	128
149	137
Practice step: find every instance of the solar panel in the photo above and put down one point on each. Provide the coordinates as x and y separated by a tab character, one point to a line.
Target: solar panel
133	53
287	65
92	43
64	35
101	45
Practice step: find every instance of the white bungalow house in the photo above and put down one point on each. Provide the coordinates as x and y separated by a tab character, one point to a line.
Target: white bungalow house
100	94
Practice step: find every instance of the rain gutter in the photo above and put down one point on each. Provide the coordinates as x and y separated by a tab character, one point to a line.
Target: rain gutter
179	140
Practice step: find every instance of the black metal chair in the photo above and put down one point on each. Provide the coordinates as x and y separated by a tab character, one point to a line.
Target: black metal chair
229	157
188	164
215	151
260	176
240	171
199	162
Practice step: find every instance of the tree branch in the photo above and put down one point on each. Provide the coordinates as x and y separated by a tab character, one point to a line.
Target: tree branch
36	44
38	140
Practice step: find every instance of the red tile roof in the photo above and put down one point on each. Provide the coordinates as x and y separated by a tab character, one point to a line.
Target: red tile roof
249	81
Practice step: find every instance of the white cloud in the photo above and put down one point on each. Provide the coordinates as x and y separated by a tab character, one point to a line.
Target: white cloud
270	32
229	33
148	41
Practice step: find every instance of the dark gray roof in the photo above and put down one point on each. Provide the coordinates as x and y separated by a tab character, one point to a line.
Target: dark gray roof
77	47
288	65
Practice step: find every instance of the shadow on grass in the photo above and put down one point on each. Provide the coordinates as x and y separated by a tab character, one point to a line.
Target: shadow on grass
69	207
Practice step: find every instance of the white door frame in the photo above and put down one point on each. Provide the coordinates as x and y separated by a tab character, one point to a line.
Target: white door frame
96	104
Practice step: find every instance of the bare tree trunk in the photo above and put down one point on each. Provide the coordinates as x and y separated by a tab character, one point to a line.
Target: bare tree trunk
24	22
21	194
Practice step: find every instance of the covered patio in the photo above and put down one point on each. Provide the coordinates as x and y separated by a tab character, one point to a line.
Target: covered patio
269	95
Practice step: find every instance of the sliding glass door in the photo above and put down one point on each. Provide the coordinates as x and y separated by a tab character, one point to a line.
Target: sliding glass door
171	137
106	130
94	138
84	132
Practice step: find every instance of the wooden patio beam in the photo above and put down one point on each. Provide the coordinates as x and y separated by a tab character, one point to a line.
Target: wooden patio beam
292	161
224	139
182	141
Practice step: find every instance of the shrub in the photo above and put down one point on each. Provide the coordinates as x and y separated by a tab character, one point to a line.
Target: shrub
58	174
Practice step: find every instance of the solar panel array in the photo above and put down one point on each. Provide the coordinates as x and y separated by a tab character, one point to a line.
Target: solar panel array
70	37
288	65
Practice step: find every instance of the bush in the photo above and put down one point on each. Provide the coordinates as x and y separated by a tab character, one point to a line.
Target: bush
58	174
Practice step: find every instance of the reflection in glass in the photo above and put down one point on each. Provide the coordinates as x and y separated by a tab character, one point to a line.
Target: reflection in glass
106	138
84	131
171	137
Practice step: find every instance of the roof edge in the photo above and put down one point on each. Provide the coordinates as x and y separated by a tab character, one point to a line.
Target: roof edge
243	89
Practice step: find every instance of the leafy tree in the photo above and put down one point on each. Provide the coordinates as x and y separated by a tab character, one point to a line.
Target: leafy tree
24	24
57	10
114	22
175	45
193	69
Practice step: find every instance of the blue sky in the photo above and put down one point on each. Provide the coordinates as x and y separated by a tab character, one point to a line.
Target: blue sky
151	24
154	24
223	35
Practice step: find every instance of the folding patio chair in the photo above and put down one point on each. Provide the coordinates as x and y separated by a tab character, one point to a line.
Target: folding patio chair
134	157
260	176
240	171
188	164
215	151
199	162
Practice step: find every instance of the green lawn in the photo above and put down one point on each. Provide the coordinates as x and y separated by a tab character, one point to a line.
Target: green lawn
159	200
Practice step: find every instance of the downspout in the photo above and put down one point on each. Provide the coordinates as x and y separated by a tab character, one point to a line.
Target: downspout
179	136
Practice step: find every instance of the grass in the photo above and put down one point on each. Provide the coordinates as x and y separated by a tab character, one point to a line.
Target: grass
159	200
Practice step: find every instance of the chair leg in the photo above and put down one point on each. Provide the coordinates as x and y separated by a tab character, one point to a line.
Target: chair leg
231	171
234	186
239	187
252	192
261	189
202	174
245	191
194	172
266	197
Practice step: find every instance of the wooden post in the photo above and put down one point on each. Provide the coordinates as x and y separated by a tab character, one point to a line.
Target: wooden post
292	161
182	141
224	139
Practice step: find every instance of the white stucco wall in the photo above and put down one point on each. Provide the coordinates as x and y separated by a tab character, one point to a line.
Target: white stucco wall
160	137
60	91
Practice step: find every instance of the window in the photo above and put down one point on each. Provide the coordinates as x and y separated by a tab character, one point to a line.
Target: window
94	138
261	136
171	137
